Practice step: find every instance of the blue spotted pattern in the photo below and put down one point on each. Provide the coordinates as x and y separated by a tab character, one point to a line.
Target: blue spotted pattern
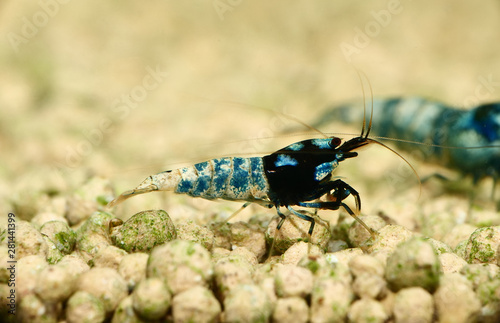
285	160
232	178
240	179
187	181
322	170
323	143
295	147
259	181
204	179
222	171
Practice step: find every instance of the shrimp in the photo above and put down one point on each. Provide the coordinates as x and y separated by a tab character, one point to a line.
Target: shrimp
296	175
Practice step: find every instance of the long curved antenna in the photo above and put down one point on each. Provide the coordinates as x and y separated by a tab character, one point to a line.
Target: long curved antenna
364	105
400	156
433	145
371	115
365	128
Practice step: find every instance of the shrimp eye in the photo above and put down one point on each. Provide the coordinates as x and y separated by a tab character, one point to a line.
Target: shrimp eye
335	142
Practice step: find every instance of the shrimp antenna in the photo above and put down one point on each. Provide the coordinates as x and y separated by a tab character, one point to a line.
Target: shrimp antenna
364	103
360	73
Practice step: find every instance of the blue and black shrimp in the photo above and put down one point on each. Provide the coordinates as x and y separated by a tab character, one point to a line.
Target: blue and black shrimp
448	132
297	175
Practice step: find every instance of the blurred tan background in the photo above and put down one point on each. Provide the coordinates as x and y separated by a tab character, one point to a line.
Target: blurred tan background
125	89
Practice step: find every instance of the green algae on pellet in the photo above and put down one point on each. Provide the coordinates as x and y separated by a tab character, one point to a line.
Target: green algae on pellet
143	231
488	293
413	263
60	234
193	232
482	246
93	234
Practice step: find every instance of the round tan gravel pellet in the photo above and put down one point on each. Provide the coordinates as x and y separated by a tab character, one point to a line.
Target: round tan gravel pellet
43	217
455	300
293	281
125	312
230	273
108	256
93	235
55	283
105	284
191	231
388	238
367	310
28	269
300	250
358	235
245	253
344	256
413	304
83	307
74	264
79	209
290	309
249	236
197	304
33	310
29	241
151	299
413	263
247	303
370	286
132	268
366	264
451	263
330	300
182	264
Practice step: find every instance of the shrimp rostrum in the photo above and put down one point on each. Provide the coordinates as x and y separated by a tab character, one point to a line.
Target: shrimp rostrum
297	175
